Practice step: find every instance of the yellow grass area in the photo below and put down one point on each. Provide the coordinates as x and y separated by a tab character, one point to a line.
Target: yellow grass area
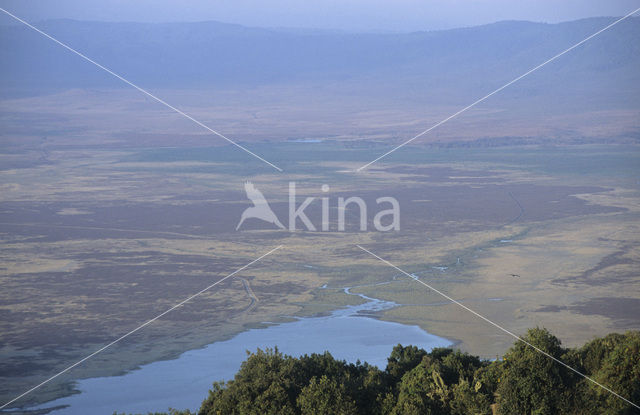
549	262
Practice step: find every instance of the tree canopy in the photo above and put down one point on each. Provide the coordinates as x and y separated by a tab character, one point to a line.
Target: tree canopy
441	381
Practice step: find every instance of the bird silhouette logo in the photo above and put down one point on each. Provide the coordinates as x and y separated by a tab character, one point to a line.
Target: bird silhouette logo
260	209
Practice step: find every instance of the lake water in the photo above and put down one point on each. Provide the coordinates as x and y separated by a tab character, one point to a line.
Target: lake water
348	333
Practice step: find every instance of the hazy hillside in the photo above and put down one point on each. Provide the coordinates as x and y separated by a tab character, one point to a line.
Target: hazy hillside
262	84
213	54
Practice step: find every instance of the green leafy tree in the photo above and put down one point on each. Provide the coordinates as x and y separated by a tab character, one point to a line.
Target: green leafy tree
468	400
326	396
531	382
443	381
423	390
269	382
612	361
459	366
265	384
402	360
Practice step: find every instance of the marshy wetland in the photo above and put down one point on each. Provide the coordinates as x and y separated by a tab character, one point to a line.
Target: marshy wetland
97	241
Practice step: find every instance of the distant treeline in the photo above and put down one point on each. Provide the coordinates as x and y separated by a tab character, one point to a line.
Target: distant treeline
443	381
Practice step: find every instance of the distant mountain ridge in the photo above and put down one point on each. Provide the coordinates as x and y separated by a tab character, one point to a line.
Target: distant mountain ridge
220	54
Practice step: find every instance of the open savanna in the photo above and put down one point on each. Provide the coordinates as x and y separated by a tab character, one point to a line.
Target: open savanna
102	236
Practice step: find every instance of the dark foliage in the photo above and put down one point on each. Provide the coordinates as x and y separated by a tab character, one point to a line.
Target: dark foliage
443	381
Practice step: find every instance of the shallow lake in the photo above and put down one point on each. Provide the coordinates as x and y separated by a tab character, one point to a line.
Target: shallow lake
349	333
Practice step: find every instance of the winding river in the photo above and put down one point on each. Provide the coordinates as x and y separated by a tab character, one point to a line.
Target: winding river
348	333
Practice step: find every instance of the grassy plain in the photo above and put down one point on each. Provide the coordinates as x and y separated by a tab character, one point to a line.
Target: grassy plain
100	236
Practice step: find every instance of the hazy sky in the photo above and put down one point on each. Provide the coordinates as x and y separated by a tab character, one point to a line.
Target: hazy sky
352	15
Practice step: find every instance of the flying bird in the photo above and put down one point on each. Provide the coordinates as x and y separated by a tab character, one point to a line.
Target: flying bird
260	209
515	275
